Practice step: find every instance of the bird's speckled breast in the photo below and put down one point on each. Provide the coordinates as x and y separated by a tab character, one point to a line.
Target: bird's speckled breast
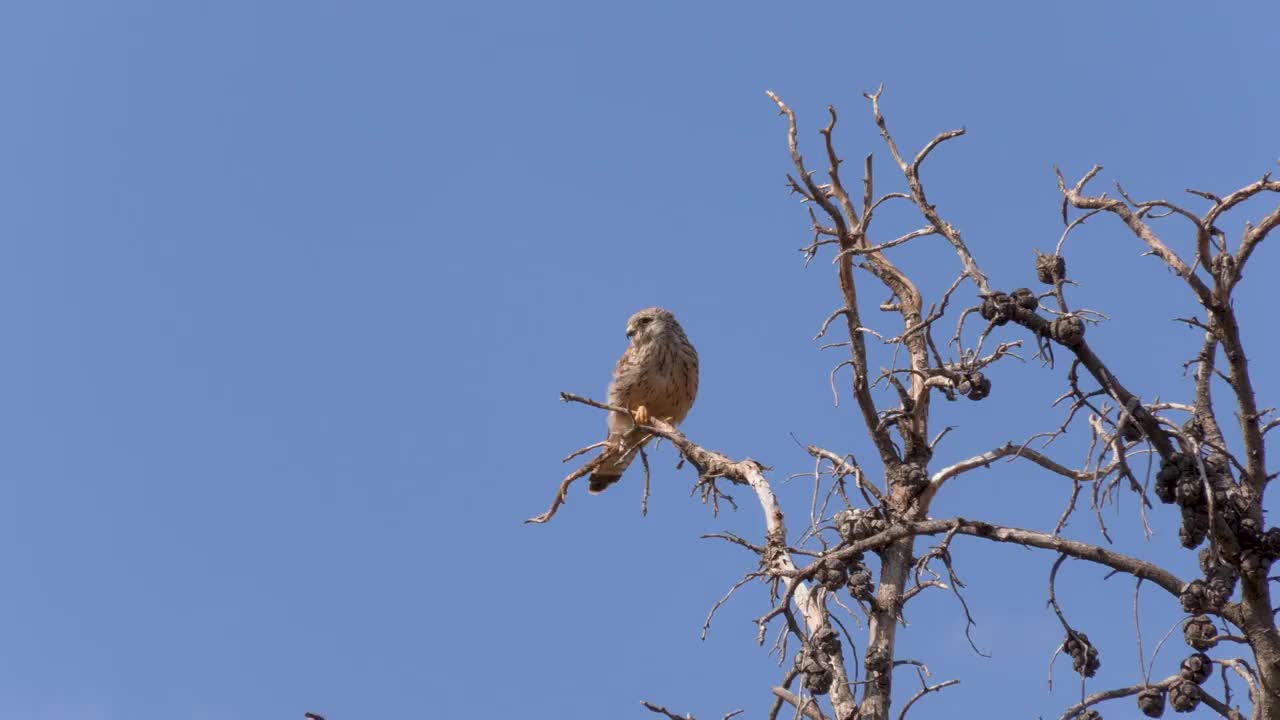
668	379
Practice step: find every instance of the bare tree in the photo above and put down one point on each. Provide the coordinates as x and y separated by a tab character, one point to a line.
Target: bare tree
1216	479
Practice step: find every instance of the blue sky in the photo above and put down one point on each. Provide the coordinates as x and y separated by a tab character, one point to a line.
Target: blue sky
290	290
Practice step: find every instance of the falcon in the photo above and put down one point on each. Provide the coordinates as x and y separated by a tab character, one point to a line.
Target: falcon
657	377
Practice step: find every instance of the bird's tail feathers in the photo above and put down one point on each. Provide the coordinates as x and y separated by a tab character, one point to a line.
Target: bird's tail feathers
614	461
599	482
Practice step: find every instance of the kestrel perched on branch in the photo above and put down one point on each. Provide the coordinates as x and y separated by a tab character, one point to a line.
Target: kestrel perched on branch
657	377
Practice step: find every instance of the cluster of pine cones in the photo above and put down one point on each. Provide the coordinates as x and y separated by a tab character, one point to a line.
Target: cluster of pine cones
836	574
1191	482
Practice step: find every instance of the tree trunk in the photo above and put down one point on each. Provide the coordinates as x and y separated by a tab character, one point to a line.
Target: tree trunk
895	563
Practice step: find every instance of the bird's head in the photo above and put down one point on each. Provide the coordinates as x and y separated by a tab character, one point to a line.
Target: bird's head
650	323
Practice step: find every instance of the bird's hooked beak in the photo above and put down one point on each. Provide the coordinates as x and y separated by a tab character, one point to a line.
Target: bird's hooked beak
631	331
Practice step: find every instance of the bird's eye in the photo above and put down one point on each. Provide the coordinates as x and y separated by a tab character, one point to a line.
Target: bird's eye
644	321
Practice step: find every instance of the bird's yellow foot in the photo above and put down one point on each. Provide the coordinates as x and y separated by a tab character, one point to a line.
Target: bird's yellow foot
641	414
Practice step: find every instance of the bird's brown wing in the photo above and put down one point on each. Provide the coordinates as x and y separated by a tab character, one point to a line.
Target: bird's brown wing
623	437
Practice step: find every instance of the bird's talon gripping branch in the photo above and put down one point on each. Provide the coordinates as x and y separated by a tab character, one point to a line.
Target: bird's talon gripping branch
641	415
